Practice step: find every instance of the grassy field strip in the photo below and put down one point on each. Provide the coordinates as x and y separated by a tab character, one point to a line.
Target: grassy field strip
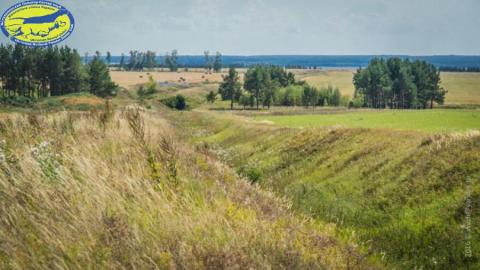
426	120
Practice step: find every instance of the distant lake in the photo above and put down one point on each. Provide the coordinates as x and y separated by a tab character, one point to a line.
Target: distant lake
320	61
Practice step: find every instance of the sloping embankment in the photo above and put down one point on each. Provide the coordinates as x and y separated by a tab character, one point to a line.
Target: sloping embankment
119	191
409	198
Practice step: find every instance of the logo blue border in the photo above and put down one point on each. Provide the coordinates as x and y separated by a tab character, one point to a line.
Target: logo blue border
37	44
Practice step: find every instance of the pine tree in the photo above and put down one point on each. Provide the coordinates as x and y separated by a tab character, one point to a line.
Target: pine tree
99	78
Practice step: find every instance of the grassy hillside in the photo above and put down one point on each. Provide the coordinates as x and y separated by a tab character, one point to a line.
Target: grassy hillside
104	190
422	120
401	193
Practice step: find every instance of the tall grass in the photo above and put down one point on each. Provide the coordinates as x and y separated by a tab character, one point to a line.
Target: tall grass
90	191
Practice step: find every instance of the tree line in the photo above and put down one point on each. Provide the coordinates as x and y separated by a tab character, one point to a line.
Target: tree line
138	60
272	85
397	84
51	71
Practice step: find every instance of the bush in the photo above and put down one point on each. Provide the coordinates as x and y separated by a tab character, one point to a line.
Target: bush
356	102
178	102
253	174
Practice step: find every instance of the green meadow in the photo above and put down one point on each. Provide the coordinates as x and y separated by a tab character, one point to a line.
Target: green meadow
421	120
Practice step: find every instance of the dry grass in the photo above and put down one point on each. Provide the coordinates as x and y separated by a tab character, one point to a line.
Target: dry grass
337	78
129	79
93	101
463	88
77	191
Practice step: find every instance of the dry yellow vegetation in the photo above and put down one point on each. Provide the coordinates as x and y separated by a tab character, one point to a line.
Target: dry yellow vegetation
132	78
463	87
337	78
89	100
119	190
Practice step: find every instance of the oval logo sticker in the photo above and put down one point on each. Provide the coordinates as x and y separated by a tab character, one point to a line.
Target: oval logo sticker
37	23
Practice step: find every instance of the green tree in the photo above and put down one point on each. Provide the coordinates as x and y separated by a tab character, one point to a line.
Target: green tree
54	69
246	99
268	89
73	77
335	97
150	59
171	60
122	62
230	88
211	97
310	96
253	82
208	62
109	58
399	84
99	78
217	63
133	60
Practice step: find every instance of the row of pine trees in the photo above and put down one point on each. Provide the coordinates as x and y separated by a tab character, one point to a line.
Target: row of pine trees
398	84
51	71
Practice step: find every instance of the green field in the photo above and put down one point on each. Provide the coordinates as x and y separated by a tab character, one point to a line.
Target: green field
425	120
462	87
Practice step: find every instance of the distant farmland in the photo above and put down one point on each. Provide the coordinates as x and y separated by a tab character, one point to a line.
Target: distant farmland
463	87
129	79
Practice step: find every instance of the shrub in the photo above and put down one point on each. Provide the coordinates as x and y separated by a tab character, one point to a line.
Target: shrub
356	102
178	102
253	174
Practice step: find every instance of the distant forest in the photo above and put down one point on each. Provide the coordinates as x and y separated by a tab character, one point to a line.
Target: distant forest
447	62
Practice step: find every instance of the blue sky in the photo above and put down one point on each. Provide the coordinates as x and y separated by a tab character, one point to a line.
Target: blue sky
255	27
